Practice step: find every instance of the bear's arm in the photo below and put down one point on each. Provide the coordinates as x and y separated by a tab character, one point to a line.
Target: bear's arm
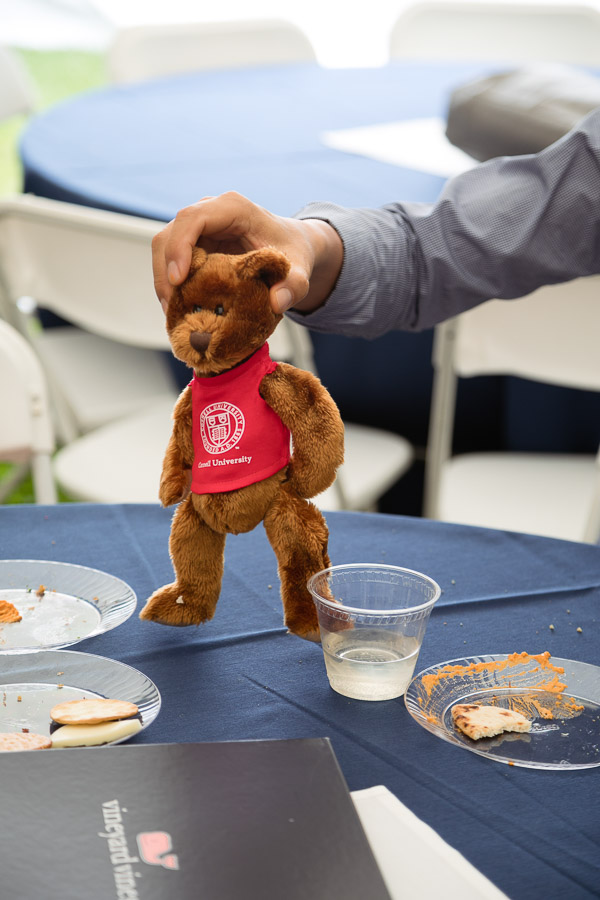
307	409
179	456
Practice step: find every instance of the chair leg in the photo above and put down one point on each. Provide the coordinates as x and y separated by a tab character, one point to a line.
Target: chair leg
591	534
43	479
443	401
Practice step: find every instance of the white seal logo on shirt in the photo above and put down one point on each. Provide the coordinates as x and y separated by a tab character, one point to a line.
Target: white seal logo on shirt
221	427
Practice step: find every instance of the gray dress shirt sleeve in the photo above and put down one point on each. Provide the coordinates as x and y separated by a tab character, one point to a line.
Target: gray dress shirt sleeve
500	230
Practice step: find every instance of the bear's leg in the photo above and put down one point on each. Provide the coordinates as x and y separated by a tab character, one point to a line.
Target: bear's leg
197	553
298	534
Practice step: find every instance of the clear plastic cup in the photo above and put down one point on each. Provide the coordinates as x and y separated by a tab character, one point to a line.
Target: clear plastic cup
372	620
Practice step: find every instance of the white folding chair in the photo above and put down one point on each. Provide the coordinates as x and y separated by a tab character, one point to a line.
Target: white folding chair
153	51
551	336
93	269
500	32
16	89
26	435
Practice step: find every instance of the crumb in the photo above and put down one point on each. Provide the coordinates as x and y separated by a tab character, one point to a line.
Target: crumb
551	627
580	630
510	762
19	699
270	587
60	673
40	591
569	611
25	730
59	686
452	581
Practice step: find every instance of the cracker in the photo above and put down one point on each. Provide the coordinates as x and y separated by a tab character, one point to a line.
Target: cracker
93	711
93	735
479	721
18	741
9	613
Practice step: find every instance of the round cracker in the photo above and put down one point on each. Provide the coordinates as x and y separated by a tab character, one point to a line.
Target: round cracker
92	712
23	741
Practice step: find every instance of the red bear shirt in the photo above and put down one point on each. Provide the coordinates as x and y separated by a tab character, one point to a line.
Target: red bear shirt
238	438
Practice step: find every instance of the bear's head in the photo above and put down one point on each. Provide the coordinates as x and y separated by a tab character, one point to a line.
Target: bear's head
221	313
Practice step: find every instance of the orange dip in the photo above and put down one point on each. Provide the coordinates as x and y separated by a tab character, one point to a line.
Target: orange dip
531	702
9	613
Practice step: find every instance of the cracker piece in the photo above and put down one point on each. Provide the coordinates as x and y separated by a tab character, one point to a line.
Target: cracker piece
479	721
93	735
91	712
9	613
18	741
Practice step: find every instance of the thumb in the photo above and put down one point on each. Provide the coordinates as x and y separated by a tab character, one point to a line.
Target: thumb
290	291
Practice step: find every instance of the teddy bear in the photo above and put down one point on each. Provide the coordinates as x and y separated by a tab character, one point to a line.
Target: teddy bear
229	463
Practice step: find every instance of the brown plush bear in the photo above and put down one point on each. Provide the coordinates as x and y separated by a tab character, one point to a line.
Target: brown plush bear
231	438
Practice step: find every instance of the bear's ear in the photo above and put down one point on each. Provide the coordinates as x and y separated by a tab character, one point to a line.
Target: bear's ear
270	266
199	257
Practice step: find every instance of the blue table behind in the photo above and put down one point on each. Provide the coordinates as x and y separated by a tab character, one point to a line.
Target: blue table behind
534	833
153	148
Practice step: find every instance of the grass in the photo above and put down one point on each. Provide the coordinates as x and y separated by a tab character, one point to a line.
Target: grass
55	75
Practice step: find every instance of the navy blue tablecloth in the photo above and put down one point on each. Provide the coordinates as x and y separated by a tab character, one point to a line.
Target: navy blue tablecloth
241	676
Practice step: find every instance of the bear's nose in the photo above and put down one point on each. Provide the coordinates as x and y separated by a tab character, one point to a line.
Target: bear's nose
200	340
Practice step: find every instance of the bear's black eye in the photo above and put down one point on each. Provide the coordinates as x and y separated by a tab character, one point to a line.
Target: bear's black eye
197	309
219	311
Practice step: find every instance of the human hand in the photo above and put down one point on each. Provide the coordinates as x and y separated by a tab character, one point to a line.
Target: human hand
231	223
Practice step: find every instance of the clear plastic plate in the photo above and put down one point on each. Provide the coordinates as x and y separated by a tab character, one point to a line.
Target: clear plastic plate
565	733
31	685
77	602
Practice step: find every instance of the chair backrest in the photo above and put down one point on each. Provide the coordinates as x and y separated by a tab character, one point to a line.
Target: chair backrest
148	51
519	32
91	267
550	336
81	263
26	435
291	342
16	90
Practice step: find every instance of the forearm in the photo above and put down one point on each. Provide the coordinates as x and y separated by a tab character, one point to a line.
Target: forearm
500	230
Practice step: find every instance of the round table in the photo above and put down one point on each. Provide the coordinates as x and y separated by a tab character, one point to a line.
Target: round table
151	148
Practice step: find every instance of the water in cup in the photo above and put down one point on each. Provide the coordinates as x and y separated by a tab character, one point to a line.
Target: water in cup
366	665
372	619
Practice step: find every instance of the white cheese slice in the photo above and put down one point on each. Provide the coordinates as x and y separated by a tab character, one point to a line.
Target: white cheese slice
91	735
